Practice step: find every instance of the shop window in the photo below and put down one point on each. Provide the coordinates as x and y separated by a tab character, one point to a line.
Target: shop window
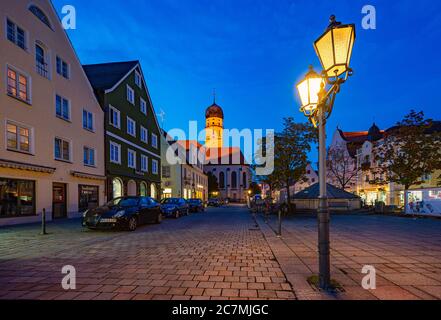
17	198
88	197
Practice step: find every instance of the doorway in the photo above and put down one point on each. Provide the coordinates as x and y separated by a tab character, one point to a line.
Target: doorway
59	201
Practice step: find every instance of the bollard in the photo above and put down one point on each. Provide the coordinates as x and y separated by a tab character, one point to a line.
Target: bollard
280	223
43	222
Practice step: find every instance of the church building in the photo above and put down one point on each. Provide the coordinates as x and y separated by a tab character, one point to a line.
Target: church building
227	164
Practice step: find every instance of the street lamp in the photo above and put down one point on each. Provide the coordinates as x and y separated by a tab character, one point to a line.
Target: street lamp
317	94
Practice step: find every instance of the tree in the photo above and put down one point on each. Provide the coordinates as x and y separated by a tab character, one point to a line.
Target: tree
410	151
213	185
342	169
291	148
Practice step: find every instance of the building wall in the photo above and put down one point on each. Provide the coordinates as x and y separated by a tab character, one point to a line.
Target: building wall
214	132
194	182
118	99
338	143
39	114
171	185
229	192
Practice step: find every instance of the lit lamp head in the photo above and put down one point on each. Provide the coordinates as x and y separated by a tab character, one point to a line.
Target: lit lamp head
309	89
334	48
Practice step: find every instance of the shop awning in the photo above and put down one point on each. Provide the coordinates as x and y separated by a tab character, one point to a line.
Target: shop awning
25	166
83	175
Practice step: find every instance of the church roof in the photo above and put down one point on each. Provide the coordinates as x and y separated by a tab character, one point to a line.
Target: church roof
225	156
214	111
186	144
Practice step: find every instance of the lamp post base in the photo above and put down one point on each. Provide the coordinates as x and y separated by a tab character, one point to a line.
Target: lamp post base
324	244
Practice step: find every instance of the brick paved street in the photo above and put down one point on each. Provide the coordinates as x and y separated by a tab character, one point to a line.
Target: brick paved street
406	253
216	255
221	255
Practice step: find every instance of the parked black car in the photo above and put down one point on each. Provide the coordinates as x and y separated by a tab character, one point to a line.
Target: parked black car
214	202
125	213
175	207
196	205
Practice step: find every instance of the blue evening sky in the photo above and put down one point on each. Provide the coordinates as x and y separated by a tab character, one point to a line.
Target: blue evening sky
254	51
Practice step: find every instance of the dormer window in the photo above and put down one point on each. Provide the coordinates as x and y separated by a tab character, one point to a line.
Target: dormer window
40	15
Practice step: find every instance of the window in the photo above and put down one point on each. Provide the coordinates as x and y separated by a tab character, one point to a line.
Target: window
131	159
18	85
16	34
166	171
62	68
144	163
114	117
62	108
130	95
234	180
245	180
222	180
143	106
40	15
144	135
131	127
115	153
88	120
155	166
18	137
40	61
138	79
154	140
62	149
89	156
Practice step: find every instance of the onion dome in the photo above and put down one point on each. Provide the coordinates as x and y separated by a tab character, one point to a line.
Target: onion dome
214	111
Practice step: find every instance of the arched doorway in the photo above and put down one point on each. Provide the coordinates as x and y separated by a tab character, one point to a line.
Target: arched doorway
143	189
131	188
153	192
118	189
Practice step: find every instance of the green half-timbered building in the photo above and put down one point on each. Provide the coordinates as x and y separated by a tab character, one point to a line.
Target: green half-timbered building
132	134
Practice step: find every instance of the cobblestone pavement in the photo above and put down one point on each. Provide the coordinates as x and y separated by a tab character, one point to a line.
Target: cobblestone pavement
406	253
216	255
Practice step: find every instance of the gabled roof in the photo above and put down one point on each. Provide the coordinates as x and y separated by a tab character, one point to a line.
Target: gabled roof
313	192
105	76
358	137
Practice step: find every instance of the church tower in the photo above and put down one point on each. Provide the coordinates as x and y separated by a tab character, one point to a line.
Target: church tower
214	126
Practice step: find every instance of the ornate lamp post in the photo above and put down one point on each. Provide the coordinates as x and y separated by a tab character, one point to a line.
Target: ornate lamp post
317	94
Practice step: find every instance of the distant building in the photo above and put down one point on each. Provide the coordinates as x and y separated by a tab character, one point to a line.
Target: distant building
344	147
184	177
310	178
51	128
132	137
227	164
361	147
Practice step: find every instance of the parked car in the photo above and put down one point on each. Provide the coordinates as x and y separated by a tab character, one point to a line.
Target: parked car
175	207
196	205
123	213
214	202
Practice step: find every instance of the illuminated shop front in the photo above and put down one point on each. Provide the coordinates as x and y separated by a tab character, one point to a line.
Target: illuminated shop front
17	198
424	201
